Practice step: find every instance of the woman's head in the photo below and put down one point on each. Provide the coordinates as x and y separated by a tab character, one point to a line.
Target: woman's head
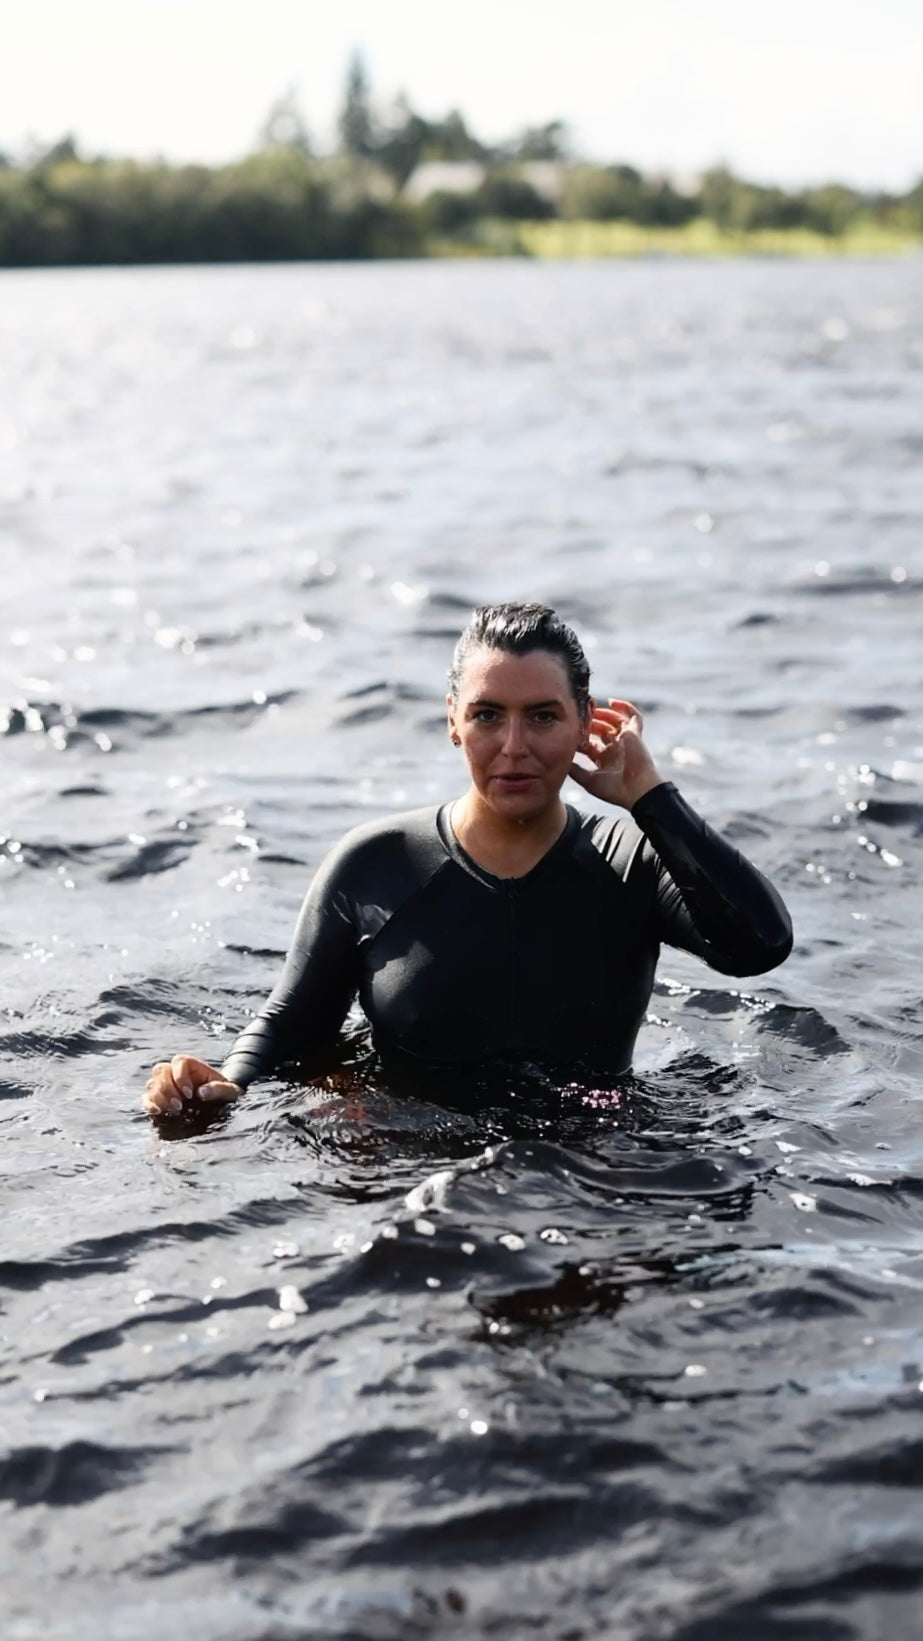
519	706
518	629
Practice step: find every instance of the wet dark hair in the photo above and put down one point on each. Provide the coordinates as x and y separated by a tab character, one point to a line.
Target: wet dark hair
518	629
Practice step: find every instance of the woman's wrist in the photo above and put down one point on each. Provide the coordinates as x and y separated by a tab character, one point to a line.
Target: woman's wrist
640	787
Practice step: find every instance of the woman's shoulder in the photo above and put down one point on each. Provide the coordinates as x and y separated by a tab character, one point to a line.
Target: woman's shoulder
616	840
407	825
409	839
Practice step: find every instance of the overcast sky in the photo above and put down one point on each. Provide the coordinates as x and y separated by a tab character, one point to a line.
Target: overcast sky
796	90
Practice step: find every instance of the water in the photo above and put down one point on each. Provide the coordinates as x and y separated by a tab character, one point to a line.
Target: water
646	1366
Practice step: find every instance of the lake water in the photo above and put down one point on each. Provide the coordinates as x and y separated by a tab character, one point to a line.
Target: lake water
335	1366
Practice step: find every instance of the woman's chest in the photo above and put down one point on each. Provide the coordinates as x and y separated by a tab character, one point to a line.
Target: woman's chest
508	952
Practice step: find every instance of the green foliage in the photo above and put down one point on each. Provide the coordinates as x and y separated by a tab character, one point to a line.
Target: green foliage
64	149
504	194
357	123
830	209
283	202
718	197
398	138
742	207
608	193
405	140
601	193
912	212
539	142
447	213
273	206
401	141
285	125
450	139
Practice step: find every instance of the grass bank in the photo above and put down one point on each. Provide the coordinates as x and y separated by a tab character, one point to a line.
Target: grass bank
549	240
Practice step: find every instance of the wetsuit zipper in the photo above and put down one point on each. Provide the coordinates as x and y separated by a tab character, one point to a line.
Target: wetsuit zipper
512	963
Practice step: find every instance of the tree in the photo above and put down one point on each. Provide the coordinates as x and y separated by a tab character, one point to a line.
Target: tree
914	207
401	140
503	194
603	193
541	142
718	196
357	123
64	149
831	208
450	139
285	125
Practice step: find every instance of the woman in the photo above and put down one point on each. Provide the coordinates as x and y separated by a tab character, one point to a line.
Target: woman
506	928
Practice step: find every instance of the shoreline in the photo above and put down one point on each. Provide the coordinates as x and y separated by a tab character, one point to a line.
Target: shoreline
559	240
623	240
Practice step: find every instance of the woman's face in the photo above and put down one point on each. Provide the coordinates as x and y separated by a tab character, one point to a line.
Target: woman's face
519	727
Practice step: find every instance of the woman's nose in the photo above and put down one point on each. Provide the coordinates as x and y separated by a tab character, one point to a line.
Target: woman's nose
514	739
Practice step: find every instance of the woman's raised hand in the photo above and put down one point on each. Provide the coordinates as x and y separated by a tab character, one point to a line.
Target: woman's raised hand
623	768
178	1084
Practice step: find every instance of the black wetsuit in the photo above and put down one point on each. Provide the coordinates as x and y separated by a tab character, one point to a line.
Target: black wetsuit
457	969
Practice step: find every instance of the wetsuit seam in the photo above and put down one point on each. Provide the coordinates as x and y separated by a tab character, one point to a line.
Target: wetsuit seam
512	960
367	942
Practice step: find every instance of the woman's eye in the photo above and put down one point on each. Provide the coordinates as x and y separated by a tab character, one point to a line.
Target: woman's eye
484	715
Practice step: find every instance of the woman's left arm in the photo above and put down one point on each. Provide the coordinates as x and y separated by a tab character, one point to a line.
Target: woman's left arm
711	900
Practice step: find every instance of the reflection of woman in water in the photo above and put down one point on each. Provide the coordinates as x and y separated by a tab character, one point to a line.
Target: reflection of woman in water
506	928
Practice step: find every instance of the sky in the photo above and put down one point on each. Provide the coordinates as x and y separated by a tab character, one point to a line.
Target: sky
794	91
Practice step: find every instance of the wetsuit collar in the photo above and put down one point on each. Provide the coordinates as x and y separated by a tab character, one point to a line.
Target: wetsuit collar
562	843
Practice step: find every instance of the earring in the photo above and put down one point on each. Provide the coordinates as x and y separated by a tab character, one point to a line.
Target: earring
456	740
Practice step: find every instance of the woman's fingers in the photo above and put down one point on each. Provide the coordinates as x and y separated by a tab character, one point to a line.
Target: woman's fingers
189	1073
609	730
173	1083
605	738
219	1090
161	1094
618	708
619	713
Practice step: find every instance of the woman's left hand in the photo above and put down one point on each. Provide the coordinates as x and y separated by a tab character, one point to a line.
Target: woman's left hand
624	769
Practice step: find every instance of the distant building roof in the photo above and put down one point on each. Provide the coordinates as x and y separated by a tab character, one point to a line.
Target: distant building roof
444	177
545	176
687	183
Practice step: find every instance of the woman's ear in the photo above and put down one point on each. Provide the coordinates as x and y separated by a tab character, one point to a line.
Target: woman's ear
587	720
454	736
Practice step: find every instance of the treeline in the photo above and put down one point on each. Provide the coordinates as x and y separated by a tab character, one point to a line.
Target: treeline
277	205
286	201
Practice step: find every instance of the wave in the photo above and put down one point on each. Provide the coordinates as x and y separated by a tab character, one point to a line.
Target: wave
115	729
75	1473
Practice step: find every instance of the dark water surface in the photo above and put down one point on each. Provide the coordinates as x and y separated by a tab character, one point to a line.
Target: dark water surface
645	1365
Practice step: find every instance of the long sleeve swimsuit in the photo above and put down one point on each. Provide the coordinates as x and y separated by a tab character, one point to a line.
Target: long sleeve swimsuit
456	969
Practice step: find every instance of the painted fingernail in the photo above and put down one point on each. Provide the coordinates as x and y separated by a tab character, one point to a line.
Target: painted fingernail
176	1105
186	1089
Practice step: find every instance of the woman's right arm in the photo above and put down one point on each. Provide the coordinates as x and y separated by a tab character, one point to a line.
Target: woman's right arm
303	1013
